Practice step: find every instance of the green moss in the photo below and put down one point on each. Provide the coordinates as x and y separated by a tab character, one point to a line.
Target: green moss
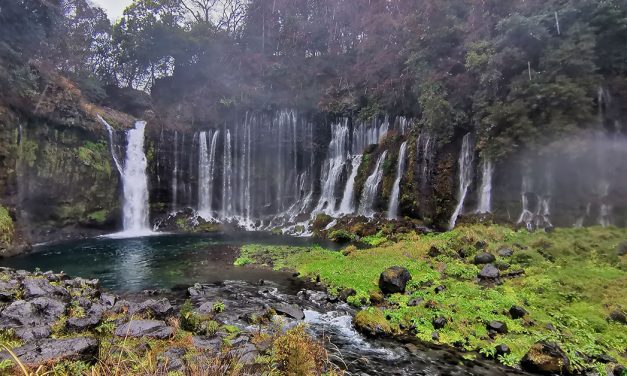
341	236
373	322
375	240
29	152
99	216
96	156
573	279
7	229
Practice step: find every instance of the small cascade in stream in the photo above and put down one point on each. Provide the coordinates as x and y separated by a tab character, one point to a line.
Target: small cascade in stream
227	173
371	188
485	191
347	206
333	166
526	216
396	189
466	158
134	182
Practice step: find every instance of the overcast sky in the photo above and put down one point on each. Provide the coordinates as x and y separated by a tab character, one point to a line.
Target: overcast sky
114	8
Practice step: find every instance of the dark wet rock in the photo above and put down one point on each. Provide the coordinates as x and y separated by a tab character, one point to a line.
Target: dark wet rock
7	296
605	359
54	350
489	272
346	293
618	316
517	312
78	324
39	287
414	302
37	312
290	310
245	354
145	328
621	249
463	253
481	244
159	309
439	323
505	252
434	251
497	326
502	350
439	289
172	360
545	358
550	327
435	336
394	280
484	258
514	273
212	344
620	370
502	266
28	334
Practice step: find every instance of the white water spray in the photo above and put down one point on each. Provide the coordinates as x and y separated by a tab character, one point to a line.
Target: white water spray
466	158
371	188
347	206
396	189
485	192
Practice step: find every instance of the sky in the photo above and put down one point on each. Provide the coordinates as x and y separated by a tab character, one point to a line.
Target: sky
114	8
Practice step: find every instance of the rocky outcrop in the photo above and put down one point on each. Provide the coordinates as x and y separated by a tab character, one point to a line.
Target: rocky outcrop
546	358
394	280
55	350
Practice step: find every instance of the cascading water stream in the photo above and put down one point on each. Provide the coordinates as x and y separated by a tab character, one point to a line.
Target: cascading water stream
206	167
396	189
227	173
466	158
371	188
526	216
134	182
347	206
175	172
332	169
485	191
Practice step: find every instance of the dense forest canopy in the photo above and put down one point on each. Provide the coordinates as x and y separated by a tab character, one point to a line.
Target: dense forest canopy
519	73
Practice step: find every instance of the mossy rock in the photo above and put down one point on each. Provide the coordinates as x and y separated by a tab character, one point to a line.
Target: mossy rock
372	322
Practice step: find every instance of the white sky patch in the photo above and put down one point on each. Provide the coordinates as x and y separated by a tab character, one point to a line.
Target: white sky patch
114	8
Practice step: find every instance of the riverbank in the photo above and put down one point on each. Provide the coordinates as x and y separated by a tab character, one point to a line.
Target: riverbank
546	302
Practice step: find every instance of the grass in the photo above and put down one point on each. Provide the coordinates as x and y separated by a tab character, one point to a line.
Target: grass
573	279
7	229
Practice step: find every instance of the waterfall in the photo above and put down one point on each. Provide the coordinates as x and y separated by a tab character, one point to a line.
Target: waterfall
371	188
365	134
205	176
466	158
526	216
332	169
485	192
134	181
175	172
347	206
605	210
396	189
227	172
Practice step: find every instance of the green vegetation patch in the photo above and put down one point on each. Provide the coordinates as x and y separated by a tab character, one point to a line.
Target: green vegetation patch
7	229
96	156
573	279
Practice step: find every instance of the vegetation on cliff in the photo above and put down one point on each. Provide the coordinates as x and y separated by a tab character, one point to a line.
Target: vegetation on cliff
572	283
6	228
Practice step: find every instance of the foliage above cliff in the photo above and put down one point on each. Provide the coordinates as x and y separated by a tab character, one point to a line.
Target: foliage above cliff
520	73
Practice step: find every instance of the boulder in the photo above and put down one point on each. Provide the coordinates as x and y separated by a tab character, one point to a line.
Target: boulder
517	312
481	244
172	360
290	310
484	258
621	249
502	350
439	323
145	328
414	302
489	272
439	289
107	300
346	293
48	351
497	326
38	312
394	280
40	287
28	334
545	358
434	251
89	321
211	344
618	316
159	309
505	252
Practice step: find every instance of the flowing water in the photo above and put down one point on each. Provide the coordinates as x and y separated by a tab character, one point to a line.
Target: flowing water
485	191
396	189
371	188
347	206
466	158
174	262
333	166
134	182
